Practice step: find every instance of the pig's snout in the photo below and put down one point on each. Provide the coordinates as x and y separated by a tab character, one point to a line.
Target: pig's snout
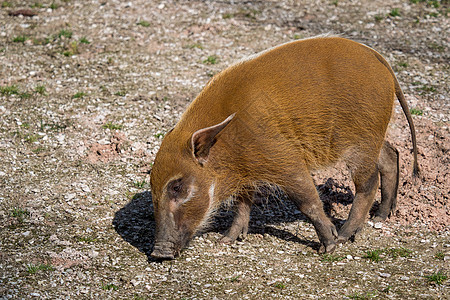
163	251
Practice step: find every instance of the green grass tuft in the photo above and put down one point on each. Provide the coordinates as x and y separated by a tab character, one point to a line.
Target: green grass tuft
110	286
211	60
40	89
112	126
84	40
79	95
395	12
9	90
143	23
65	33
20	39
436	278
416	111
373	255
32	269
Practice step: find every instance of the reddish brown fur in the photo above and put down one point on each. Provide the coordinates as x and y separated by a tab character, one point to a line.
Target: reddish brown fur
299	107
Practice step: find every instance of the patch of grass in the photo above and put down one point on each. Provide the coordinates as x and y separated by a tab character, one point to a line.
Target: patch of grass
436	278
396	252
79	95
20	39
139	184
395	12
211	60
32	269
19	213
25	95
436	4
143	23
121	93
366	296
66	33
439	255
373	255
25	125
297	36
331	257
6	4
37	5
436	46
195	45
31	138
403	64
227	16
53	6
158	135
38	150
87	239
378	18
112	126
279	285
84	40
40	89
335	2
72	49
426	88
235	278
110	286
416	111
9	90
52	126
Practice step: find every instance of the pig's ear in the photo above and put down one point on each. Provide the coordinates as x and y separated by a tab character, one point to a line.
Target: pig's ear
203	139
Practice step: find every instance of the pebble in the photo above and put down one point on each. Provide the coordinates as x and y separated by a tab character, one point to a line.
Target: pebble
404	278
378	225
385	275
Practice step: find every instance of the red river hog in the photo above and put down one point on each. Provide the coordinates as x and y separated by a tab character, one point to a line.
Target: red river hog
270	120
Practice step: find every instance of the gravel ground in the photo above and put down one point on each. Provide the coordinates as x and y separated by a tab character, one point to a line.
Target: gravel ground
88	89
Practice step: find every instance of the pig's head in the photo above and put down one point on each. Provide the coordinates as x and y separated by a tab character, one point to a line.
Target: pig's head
182	187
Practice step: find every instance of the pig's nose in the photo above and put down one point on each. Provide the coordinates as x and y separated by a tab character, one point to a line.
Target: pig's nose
163	251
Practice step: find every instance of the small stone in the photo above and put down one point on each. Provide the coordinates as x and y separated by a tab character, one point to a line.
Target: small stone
404	278
26	233
349	257
385	275
207	285
447	257
93	254
378	225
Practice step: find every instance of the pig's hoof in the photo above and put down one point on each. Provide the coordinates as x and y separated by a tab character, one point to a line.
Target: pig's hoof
226	240
378	219
327	249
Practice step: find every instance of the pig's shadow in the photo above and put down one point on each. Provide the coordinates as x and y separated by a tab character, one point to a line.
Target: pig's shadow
135	222
136	225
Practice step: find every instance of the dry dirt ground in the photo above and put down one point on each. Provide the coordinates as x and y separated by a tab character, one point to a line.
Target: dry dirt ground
88	89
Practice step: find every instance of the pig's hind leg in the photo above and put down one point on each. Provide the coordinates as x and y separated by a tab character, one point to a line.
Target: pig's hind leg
388	164
241	219
365	177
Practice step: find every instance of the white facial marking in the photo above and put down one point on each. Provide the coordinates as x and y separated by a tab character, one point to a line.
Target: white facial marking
191	194
211	193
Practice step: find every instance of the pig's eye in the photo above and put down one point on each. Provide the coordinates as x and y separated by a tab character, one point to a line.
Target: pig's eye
175	188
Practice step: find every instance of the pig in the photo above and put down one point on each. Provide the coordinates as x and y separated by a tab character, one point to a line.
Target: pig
271	119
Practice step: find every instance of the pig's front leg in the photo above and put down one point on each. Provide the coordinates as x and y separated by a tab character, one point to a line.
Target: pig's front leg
241	219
